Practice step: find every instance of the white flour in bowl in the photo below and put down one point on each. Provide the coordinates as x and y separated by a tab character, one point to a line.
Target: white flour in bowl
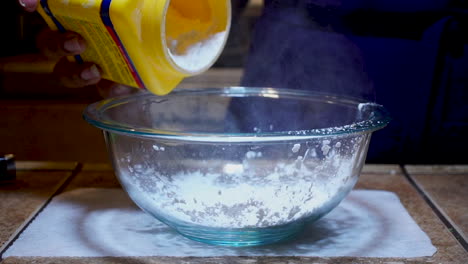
248	194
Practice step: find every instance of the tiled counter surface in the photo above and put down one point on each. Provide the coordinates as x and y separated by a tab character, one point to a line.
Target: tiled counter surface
446	189
21	200
436	197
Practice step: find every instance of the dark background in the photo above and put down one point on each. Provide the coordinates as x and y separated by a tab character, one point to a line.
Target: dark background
417	60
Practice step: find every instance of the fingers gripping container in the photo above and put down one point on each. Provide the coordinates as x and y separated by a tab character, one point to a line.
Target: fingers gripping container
150	44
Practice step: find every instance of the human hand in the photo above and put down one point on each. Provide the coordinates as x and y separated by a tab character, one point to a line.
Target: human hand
57	46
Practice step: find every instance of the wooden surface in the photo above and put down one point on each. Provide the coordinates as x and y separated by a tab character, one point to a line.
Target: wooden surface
49	130
213	78
37	182
45	166
55	130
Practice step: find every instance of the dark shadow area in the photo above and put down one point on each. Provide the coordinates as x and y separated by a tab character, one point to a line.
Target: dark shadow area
410	57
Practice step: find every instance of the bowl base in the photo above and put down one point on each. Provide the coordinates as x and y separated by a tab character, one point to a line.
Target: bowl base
241	237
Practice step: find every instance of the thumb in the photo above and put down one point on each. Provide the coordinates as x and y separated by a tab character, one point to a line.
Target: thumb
29	5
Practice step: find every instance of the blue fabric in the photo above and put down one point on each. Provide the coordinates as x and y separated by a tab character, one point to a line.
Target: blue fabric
296	45
377	5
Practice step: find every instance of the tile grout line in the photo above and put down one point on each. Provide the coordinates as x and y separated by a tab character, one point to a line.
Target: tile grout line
453	225
438	211
61	186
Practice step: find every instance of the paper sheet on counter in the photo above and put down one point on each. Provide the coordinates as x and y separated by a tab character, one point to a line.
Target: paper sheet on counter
105	222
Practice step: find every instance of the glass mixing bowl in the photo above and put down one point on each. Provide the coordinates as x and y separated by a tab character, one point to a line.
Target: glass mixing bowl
237	166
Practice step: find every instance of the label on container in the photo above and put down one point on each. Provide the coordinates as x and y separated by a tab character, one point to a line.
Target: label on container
104	46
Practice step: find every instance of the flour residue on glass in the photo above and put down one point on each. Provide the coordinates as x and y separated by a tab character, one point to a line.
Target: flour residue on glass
158	148
253	193
296	148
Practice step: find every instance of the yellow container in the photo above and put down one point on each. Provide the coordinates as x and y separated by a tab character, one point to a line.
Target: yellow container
150	44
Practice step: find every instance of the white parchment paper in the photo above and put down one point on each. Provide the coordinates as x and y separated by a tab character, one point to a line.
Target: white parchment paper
105	222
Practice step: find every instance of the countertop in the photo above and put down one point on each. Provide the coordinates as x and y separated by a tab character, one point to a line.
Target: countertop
56	118
435	196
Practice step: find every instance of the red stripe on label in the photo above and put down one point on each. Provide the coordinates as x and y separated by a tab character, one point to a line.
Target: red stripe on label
119	44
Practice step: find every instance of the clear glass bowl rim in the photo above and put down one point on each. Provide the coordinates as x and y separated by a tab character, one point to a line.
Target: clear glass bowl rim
94	114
